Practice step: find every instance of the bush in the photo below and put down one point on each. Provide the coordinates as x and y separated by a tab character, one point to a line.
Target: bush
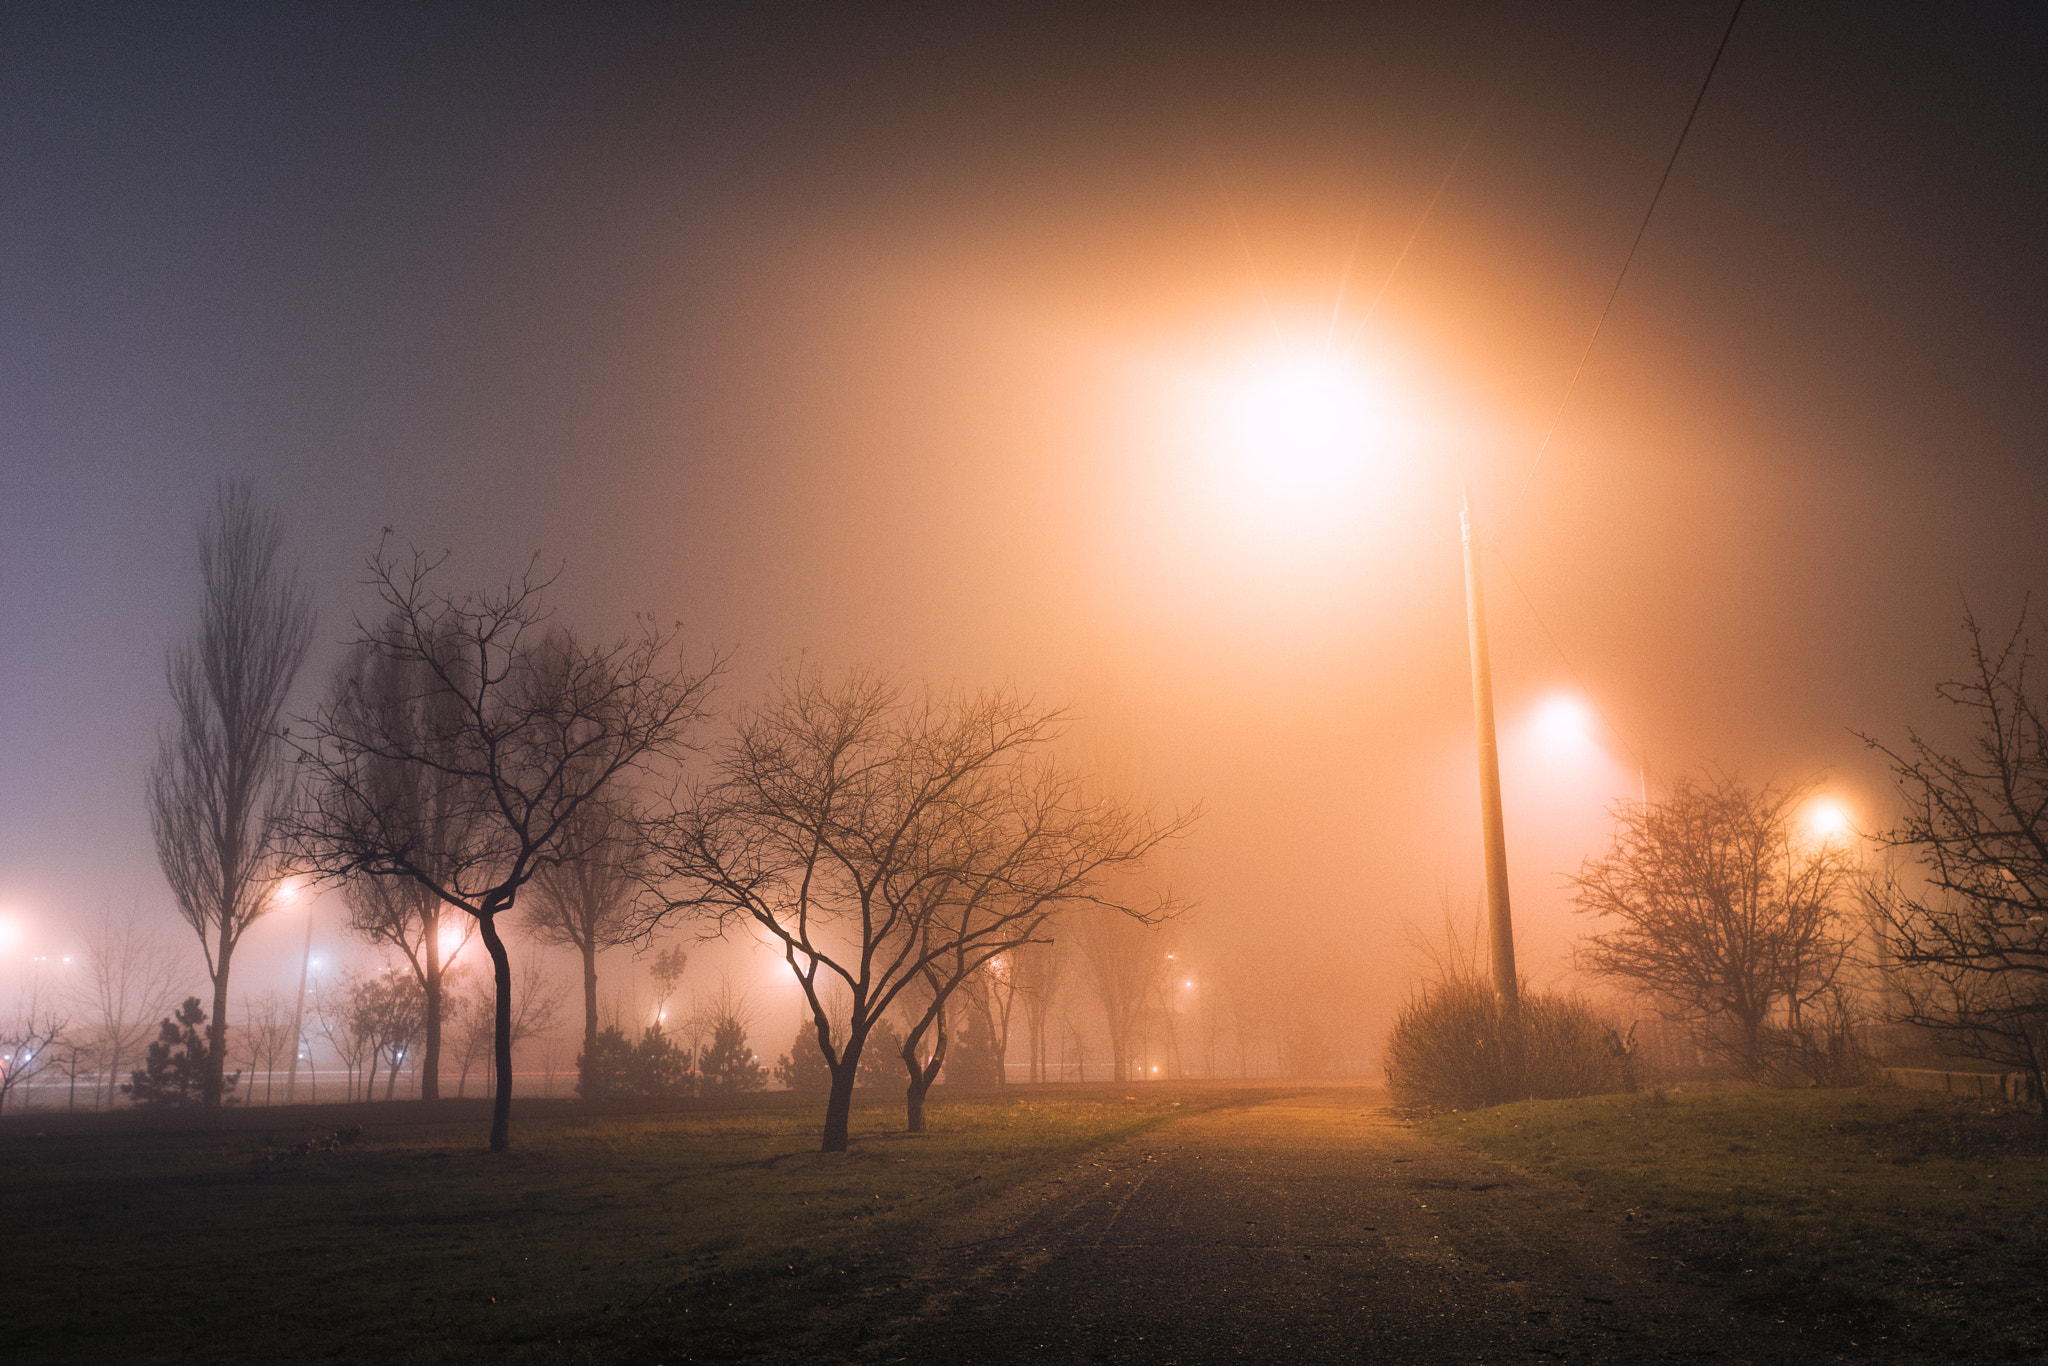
616	1068
728	1065
1452	1050
803	1067
972	1058
658	1068
601	1069
175	1070
881	1058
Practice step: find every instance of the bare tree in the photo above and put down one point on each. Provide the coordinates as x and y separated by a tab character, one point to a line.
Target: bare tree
267	1038
515	726
1126	960
131	980
346	1029
881	838
1963	925
31	1039
586	902
1727	913
402	914
666	970
1036	972
537	1009
992	994
218	785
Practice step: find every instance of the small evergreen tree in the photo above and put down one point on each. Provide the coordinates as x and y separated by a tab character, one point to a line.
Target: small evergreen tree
803	1067
728	1066
657	1067
176	1070
971	1057
881	1062
602	1069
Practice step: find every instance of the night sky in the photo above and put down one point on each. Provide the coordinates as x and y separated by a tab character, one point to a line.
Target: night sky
892	335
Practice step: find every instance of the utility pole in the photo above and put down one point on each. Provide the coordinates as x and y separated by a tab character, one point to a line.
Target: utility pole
1500	928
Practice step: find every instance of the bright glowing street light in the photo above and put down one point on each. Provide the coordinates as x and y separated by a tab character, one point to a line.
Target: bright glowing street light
1306	427
1827	819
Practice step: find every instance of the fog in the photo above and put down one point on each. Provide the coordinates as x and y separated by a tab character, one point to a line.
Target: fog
907	339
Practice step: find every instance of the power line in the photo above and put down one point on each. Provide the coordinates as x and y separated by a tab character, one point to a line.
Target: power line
1641	230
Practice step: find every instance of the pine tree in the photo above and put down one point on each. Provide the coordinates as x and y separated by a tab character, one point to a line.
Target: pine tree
972	1058
176	1071
729	1068
602	1068
803	1067
658	1068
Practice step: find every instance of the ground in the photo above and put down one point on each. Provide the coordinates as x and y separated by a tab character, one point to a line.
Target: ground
1314	1227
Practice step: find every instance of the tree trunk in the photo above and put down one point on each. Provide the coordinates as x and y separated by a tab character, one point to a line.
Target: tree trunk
213	1087
501	1043
391	1078
430	1065
589	948
839	1103
921	1078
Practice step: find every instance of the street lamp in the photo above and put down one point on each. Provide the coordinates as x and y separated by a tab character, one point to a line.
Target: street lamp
288	890
1312	424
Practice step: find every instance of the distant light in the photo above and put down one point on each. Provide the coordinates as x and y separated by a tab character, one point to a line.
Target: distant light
1188	983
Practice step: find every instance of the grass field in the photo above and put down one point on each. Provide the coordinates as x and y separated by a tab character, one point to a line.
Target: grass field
1905	1222
256	1236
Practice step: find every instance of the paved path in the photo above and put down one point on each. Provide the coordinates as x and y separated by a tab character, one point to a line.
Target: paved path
1308	1228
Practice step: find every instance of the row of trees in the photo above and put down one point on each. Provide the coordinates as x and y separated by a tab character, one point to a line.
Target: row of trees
893	842
1765	940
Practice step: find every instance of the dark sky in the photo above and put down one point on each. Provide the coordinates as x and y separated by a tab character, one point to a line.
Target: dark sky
883	334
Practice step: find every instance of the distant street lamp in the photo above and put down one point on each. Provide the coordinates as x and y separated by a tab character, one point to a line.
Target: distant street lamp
287	891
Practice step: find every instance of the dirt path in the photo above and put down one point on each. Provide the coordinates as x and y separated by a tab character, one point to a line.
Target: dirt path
1309	1228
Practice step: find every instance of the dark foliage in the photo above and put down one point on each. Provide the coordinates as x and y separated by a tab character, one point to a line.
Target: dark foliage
728	1067
657	1067
881	1062
176	1071
803	1067
1454	1049
972	1058
615	1067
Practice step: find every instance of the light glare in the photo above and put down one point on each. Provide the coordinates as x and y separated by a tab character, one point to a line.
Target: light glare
1826	818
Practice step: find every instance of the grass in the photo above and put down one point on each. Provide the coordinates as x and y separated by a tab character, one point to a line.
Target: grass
1908	1223
682	1236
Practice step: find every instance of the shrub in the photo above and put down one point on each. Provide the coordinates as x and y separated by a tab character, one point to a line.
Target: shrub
728	1065
881	1058
1451	1049
601	1070
615	1068
803	1067
658	1068
175	1070
972	1058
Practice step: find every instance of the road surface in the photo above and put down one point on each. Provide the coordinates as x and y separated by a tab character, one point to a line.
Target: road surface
1312	1227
